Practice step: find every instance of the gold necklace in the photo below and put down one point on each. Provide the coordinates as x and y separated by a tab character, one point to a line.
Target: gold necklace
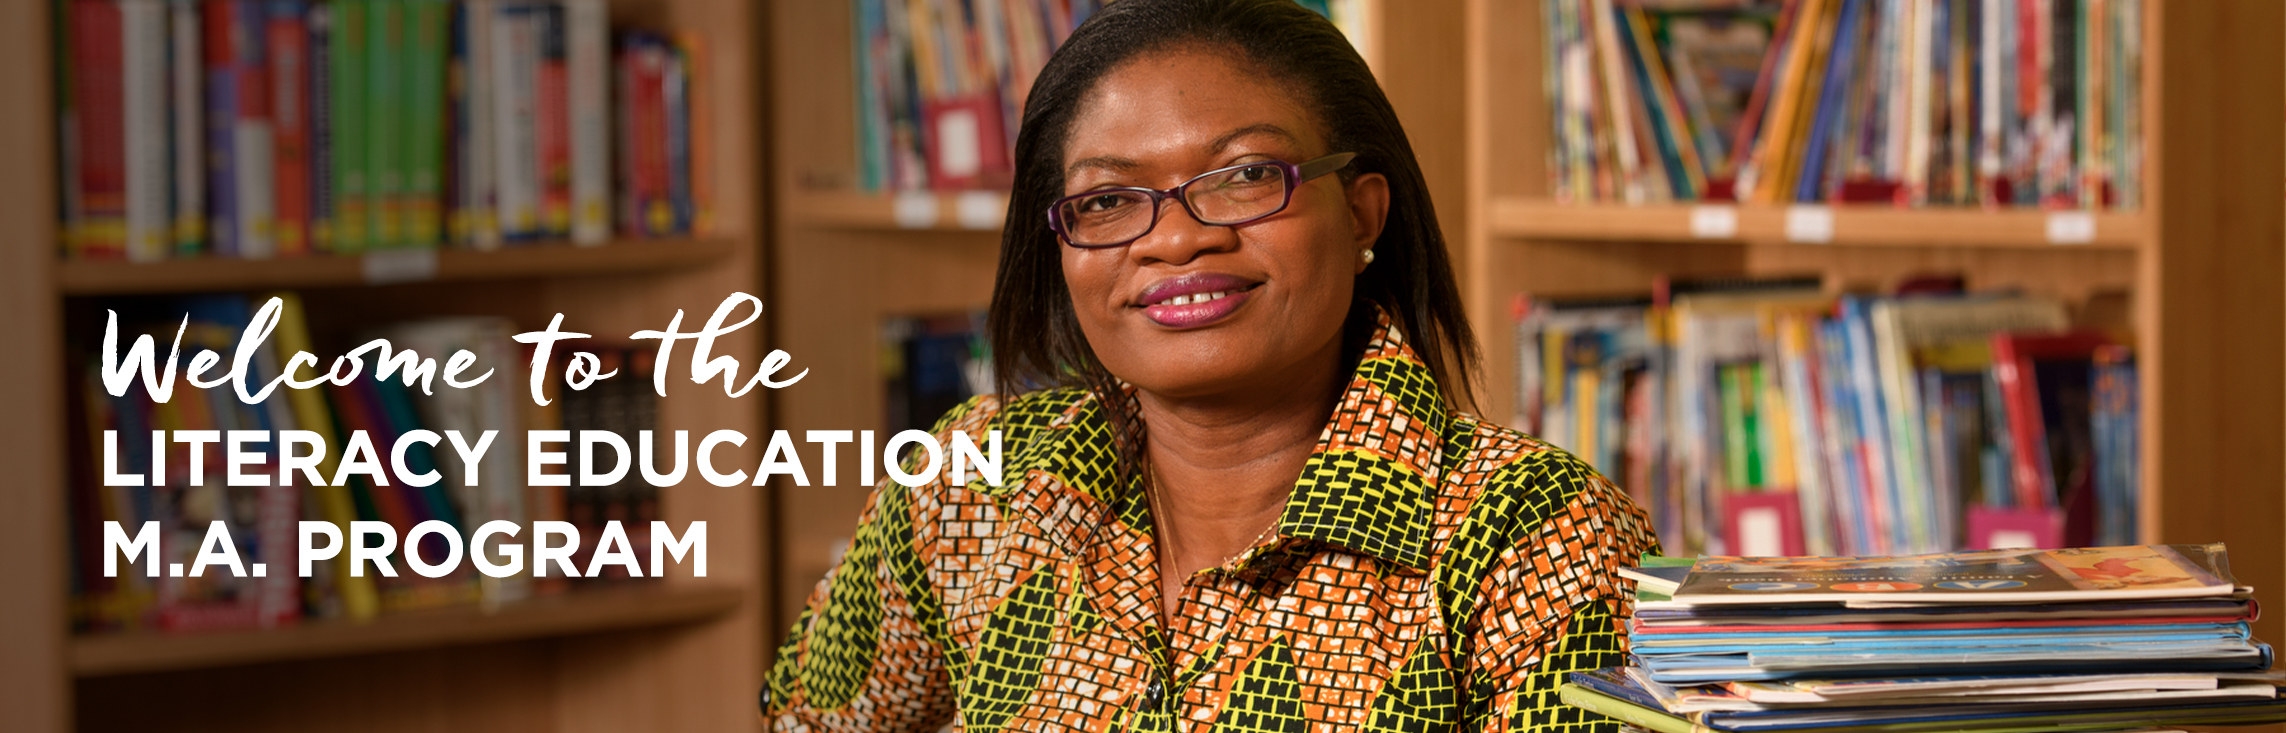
1159	515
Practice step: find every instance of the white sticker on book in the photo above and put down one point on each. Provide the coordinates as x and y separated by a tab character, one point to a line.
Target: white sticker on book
2010	538
1761	532
960	152
979	209
1714	222
914	210
2071	227
1809	224
400	266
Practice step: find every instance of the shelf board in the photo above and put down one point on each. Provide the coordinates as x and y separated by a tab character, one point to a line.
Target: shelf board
1868	225
958	211
568	614
388	267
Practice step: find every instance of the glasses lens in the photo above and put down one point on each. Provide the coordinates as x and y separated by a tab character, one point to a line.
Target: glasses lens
1238	194
1107	218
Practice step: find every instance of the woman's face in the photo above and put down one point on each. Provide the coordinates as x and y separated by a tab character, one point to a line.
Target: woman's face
1270	295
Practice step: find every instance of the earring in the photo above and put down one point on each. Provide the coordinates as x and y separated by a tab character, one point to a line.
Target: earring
1367	256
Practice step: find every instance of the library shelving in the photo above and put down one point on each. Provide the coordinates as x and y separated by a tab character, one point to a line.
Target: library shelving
2199	262
680	653
846	259
83	277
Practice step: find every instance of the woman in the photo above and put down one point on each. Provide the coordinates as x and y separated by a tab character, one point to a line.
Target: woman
1251	503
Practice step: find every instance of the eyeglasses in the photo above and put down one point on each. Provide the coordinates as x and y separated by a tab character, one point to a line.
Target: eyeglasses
1223	197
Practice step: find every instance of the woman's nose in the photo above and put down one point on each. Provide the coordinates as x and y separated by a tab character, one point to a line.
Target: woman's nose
1179	237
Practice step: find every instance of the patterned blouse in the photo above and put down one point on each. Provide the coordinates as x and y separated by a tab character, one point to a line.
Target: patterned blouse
1430	572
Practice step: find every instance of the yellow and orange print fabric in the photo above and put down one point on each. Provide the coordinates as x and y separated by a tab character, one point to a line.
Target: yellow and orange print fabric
1431	572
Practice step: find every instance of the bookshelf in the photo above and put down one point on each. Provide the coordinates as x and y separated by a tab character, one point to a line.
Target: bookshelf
847	259
677	654
2199	261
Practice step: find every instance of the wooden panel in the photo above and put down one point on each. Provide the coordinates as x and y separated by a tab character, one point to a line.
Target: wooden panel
575	613
218	274
34	684
2216	362
1531	218
496	687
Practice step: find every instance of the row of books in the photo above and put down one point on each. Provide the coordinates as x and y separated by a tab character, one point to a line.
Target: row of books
265	128
941	83
1768	417
2101	638
1913	102
261	520
930	364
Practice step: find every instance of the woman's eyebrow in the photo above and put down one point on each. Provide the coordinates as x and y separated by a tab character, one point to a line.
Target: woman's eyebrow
1263	128
1111	163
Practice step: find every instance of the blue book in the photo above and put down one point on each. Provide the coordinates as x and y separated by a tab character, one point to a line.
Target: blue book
1840	68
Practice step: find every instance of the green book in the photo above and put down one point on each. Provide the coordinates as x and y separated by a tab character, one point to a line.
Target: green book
1736	444
385	138
423	213
352	203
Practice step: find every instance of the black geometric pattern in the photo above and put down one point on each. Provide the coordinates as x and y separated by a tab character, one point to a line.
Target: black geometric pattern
1429	571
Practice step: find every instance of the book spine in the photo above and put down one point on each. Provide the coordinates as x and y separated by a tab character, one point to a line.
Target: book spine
253	138
475	223
352	197
334	503
222	93
588	42
2027	431
552	132
145	91
323	218
675	100
424	91
515	69
388	121
98	96
649	128
186	106
288	30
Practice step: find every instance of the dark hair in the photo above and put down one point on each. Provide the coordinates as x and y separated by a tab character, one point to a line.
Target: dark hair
1036	337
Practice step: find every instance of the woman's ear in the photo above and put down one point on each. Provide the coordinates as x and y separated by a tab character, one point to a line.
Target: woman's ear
1368	212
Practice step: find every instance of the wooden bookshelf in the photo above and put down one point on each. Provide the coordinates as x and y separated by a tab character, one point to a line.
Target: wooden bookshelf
391	267
1879	226
568	614
2199	263
684	653
848	259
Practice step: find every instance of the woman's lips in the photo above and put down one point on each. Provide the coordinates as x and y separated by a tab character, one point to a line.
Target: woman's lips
1194	299
1202	309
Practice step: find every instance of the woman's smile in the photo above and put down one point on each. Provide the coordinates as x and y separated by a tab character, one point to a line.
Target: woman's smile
1195	299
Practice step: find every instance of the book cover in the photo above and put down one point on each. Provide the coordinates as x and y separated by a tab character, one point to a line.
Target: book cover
1980	576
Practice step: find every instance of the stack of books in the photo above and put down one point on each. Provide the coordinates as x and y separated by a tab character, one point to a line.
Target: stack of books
2104	638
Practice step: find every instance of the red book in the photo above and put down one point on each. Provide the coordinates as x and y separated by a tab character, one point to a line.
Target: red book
645	205
552	133
966	144
99	226
2042	378
288	60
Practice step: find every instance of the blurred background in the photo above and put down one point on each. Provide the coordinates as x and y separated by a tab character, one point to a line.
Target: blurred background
1804	276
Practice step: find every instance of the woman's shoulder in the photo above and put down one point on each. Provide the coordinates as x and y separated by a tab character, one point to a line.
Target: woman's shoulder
1514	479
1019	417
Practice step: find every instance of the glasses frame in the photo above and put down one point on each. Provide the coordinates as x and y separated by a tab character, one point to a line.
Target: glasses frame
1296	175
